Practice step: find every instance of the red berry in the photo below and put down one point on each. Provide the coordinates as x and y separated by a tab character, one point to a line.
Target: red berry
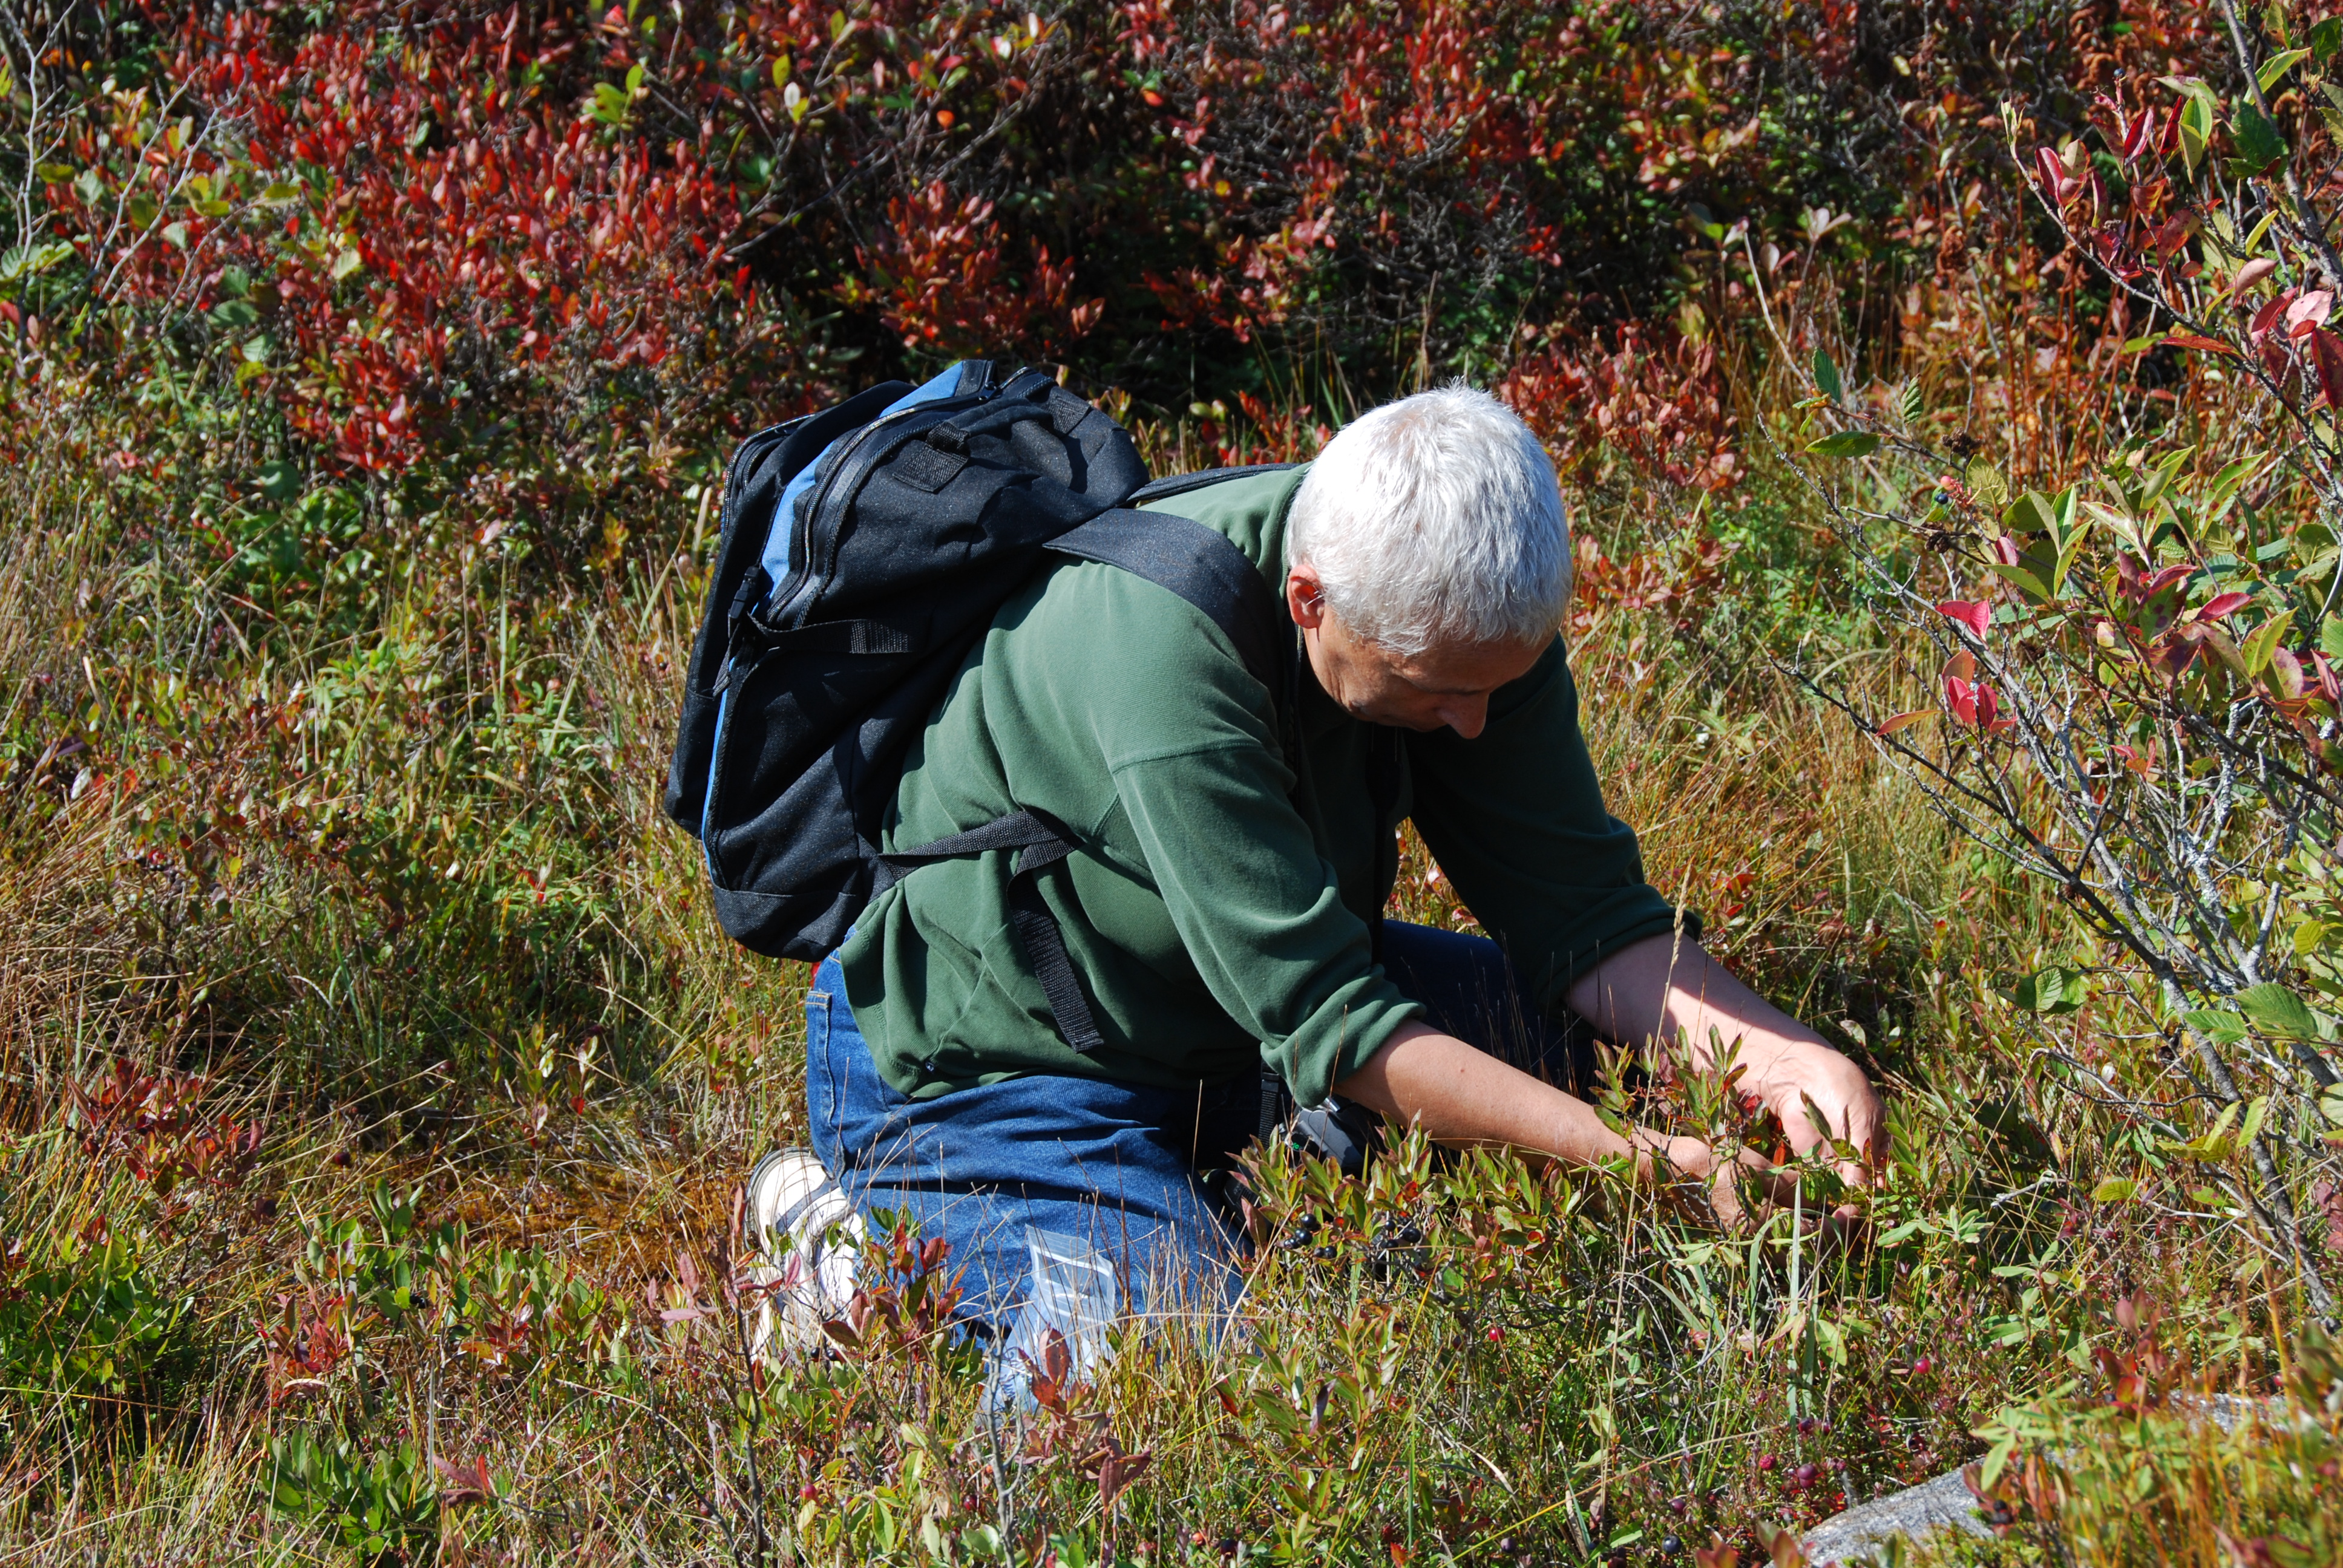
1766	1462
1921	1368
806	1493
1496	1336
1805	1475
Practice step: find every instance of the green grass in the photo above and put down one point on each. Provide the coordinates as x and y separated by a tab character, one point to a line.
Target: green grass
393	884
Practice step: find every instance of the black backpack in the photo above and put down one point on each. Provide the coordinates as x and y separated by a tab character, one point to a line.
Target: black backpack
865	550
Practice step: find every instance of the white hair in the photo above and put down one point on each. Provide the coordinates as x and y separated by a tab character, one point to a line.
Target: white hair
1436	520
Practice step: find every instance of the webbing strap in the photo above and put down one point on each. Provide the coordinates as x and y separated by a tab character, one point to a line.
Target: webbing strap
1045	949
751	641
1041	842
838	637
1276	1103
1017	831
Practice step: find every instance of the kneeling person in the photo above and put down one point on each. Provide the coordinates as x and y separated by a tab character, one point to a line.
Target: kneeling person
1222	912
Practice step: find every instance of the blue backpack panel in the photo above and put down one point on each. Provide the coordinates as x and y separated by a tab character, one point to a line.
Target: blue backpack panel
865	550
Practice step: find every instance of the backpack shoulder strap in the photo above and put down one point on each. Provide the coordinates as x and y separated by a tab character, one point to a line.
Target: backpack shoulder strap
1202	567
1180	483
1196	562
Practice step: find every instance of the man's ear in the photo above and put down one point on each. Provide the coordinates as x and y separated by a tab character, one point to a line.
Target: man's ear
1305	596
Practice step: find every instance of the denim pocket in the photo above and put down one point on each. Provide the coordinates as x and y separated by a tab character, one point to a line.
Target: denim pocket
824	1110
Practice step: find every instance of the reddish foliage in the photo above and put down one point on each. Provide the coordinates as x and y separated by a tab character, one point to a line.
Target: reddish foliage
1260	431
432	229
522	262
505	1336
303	1347
149	1123
1351	164
909	1306
1677	579
465	1484
1664	408
936	275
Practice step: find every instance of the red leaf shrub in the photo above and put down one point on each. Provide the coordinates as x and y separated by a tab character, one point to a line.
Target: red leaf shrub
497	269
1665	409
936	275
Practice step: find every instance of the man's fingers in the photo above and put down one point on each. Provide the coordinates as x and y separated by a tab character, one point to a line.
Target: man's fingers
1770	1183
1844	1226
1809	1126
1854	1117
1726	1199
1867	1127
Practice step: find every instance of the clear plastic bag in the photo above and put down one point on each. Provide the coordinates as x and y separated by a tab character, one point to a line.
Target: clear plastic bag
1072	1292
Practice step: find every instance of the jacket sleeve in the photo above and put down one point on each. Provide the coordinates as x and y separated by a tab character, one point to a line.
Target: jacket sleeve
1516	818
1260	915
1199	782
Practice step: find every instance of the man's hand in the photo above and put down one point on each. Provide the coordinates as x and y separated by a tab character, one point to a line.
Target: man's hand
1805	1083
1460	1095
1750	1175
1667	984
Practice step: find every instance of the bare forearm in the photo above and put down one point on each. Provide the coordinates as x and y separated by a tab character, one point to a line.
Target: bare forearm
1459	1095
1662	989
1668	989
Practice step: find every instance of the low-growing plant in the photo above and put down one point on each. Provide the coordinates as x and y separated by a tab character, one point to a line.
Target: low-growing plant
2134	694
378	1501
90	1336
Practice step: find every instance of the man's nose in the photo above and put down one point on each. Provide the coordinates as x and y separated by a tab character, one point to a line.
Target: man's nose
1466	716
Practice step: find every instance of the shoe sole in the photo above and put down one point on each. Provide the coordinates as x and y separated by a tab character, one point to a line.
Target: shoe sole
793	1211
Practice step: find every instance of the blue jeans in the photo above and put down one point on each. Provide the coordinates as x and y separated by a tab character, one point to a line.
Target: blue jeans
1119	1165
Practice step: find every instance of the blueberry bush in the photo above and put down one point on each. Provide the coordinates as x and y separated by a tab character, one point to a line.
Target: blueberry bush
1945	393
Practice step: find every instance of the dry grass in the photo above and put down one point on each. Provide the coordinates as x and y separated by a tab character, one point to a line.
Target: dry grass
398	890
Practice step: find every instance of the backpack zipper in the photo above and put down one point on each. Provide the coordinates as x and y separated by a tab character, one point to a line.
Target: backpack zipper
813	574
816	573
732	674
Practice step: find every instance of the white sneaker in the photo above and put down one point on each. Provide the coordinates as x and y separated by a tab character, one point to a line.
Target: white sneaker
805	1238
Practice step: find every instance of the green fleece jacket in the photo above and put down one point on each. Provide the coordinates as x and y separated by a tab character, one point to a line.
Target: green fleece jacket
1217	909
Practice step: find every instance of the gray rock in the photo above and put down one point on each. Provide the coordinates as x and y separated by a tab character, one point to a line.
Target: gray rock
1856	1536
1852	1537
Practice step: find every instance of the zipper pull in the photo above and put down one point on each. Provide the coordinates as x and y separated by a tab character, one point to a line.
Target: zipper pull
754	587
741	623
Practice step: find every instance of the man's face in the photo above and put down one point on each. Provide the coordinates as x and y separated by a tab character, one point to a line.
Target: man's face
1445	685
